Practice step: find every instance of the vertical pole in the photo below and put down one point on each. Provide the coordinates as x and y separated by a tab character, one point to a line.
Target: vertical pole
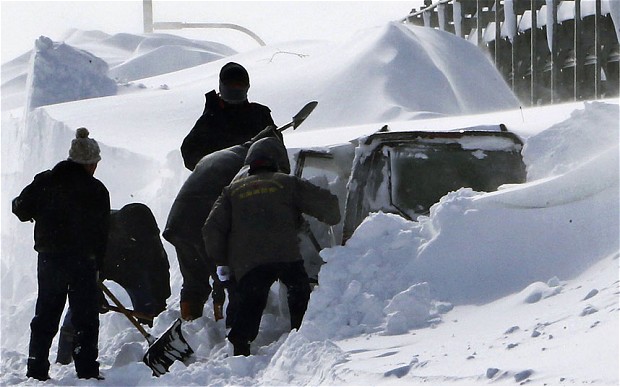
554	51
513	46
597	50
578	49
147	15
498	30
533	53
478	24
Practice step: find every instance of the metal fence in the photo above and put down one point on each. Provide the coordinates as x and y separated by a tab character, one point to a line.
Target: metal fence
548	51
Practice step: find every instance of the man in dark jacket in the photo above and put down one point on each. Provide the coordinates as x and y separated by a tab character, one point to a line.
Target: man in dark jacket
252	233
228	119
70	209
188	214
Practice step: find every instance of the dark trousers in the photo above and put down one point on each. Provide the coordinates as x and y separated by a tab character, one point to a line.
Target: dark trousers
252	292
60	276
196	269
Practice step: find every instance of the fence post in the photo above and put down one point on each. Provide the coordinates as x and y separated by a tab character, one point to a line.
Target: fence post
554	50
597	50
533	51
498	33
579	54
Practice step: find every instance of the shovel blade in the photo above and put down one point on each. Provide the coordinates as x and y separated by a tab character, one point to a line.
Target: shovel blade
303	113
171	346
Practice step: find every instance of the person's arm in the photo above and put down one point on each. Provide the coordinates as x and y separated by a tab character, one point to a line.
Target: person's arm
203	138
317	202
26	205
217	228
195	144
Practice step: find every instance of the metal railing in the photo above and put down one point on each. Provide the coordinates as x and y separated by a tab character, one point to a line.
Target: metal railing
547	51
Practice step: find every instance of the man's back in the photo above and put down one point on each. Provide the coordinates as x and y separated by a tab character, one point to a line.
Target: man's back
71	210
260	215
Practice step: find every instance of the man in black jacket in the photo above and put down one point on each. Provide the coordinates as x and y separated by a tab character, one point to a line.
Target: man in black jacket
251	233
228	118
70	209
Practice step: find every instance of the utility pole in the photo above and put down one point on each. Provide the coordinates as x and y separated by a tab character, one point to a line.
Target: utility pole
147	15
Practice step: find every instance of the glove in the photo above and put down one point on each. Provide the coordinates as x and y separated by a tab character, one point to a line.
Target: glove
223	273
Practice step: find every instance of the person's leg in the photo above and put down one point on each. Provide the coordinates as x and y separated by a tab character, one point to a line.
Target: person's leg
52	281
233	302
195	271
252	292
84	304
295	278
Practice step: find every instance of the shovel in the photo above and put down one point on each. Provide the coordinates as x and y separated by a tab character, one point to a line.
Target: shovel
300	116
162	351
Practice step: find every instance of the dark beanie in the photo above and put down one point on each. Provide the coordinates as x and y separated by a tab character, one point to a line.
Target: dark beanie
234	72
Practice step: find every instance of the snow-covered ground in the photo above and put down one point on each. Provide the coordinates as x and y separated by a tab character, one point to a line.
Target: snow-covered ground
518	285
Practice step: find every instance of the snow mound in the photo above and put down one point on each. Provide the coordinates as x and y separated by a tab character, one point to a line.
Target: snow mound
167	59
395	72
569	143
126	57
61	73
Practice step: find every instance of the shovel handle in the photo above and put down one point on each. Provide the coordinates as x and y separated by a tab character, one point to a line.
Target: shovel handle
140	315
127	314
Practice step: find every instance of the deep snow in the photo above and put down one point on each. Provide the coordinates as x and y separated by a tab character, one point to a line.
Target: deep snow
490	288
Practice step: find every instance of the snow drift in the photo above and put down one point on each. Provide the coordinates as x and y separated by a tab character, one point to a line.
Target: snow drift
60	73
505	287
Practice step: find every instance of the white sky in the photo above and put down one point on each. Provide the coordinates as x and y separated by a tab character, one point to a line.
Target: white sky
273	21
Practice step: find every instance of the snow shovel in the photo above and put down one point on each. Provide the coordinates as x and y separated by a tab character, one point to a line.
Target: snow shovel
300	116
162	351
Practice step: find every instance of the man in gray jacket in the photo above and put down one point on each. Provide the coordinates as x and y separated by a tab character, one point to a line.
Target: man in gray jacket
252	233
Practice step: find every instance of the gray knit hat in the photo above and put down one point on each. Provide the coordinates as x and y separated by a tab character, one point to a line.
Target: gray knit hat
84	150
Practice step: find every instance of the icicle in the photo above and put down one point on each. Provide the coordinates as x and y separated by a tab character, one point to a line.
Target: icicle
510	20
441	16
614	10
426	15
457	15
550	23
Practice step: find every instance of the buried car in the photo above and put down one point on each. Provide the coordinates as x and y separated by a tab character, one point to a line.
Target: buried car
406	172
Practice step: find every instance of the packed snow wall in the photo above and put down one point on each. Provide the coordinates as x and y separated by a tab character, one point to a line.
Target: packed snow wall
60	73
37	144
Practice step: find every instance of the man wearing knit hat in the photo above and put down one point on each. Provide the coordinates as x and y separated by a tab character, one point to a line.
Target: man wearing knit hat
228	118
70	208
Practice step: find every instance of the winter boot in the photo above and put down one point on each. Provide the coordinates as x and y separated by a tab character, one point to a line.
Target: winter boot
191	310
241	349
38	370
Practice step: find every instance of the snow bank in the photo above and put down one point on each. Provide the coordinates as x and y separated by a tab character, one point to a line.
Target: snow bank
465	252
60	73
